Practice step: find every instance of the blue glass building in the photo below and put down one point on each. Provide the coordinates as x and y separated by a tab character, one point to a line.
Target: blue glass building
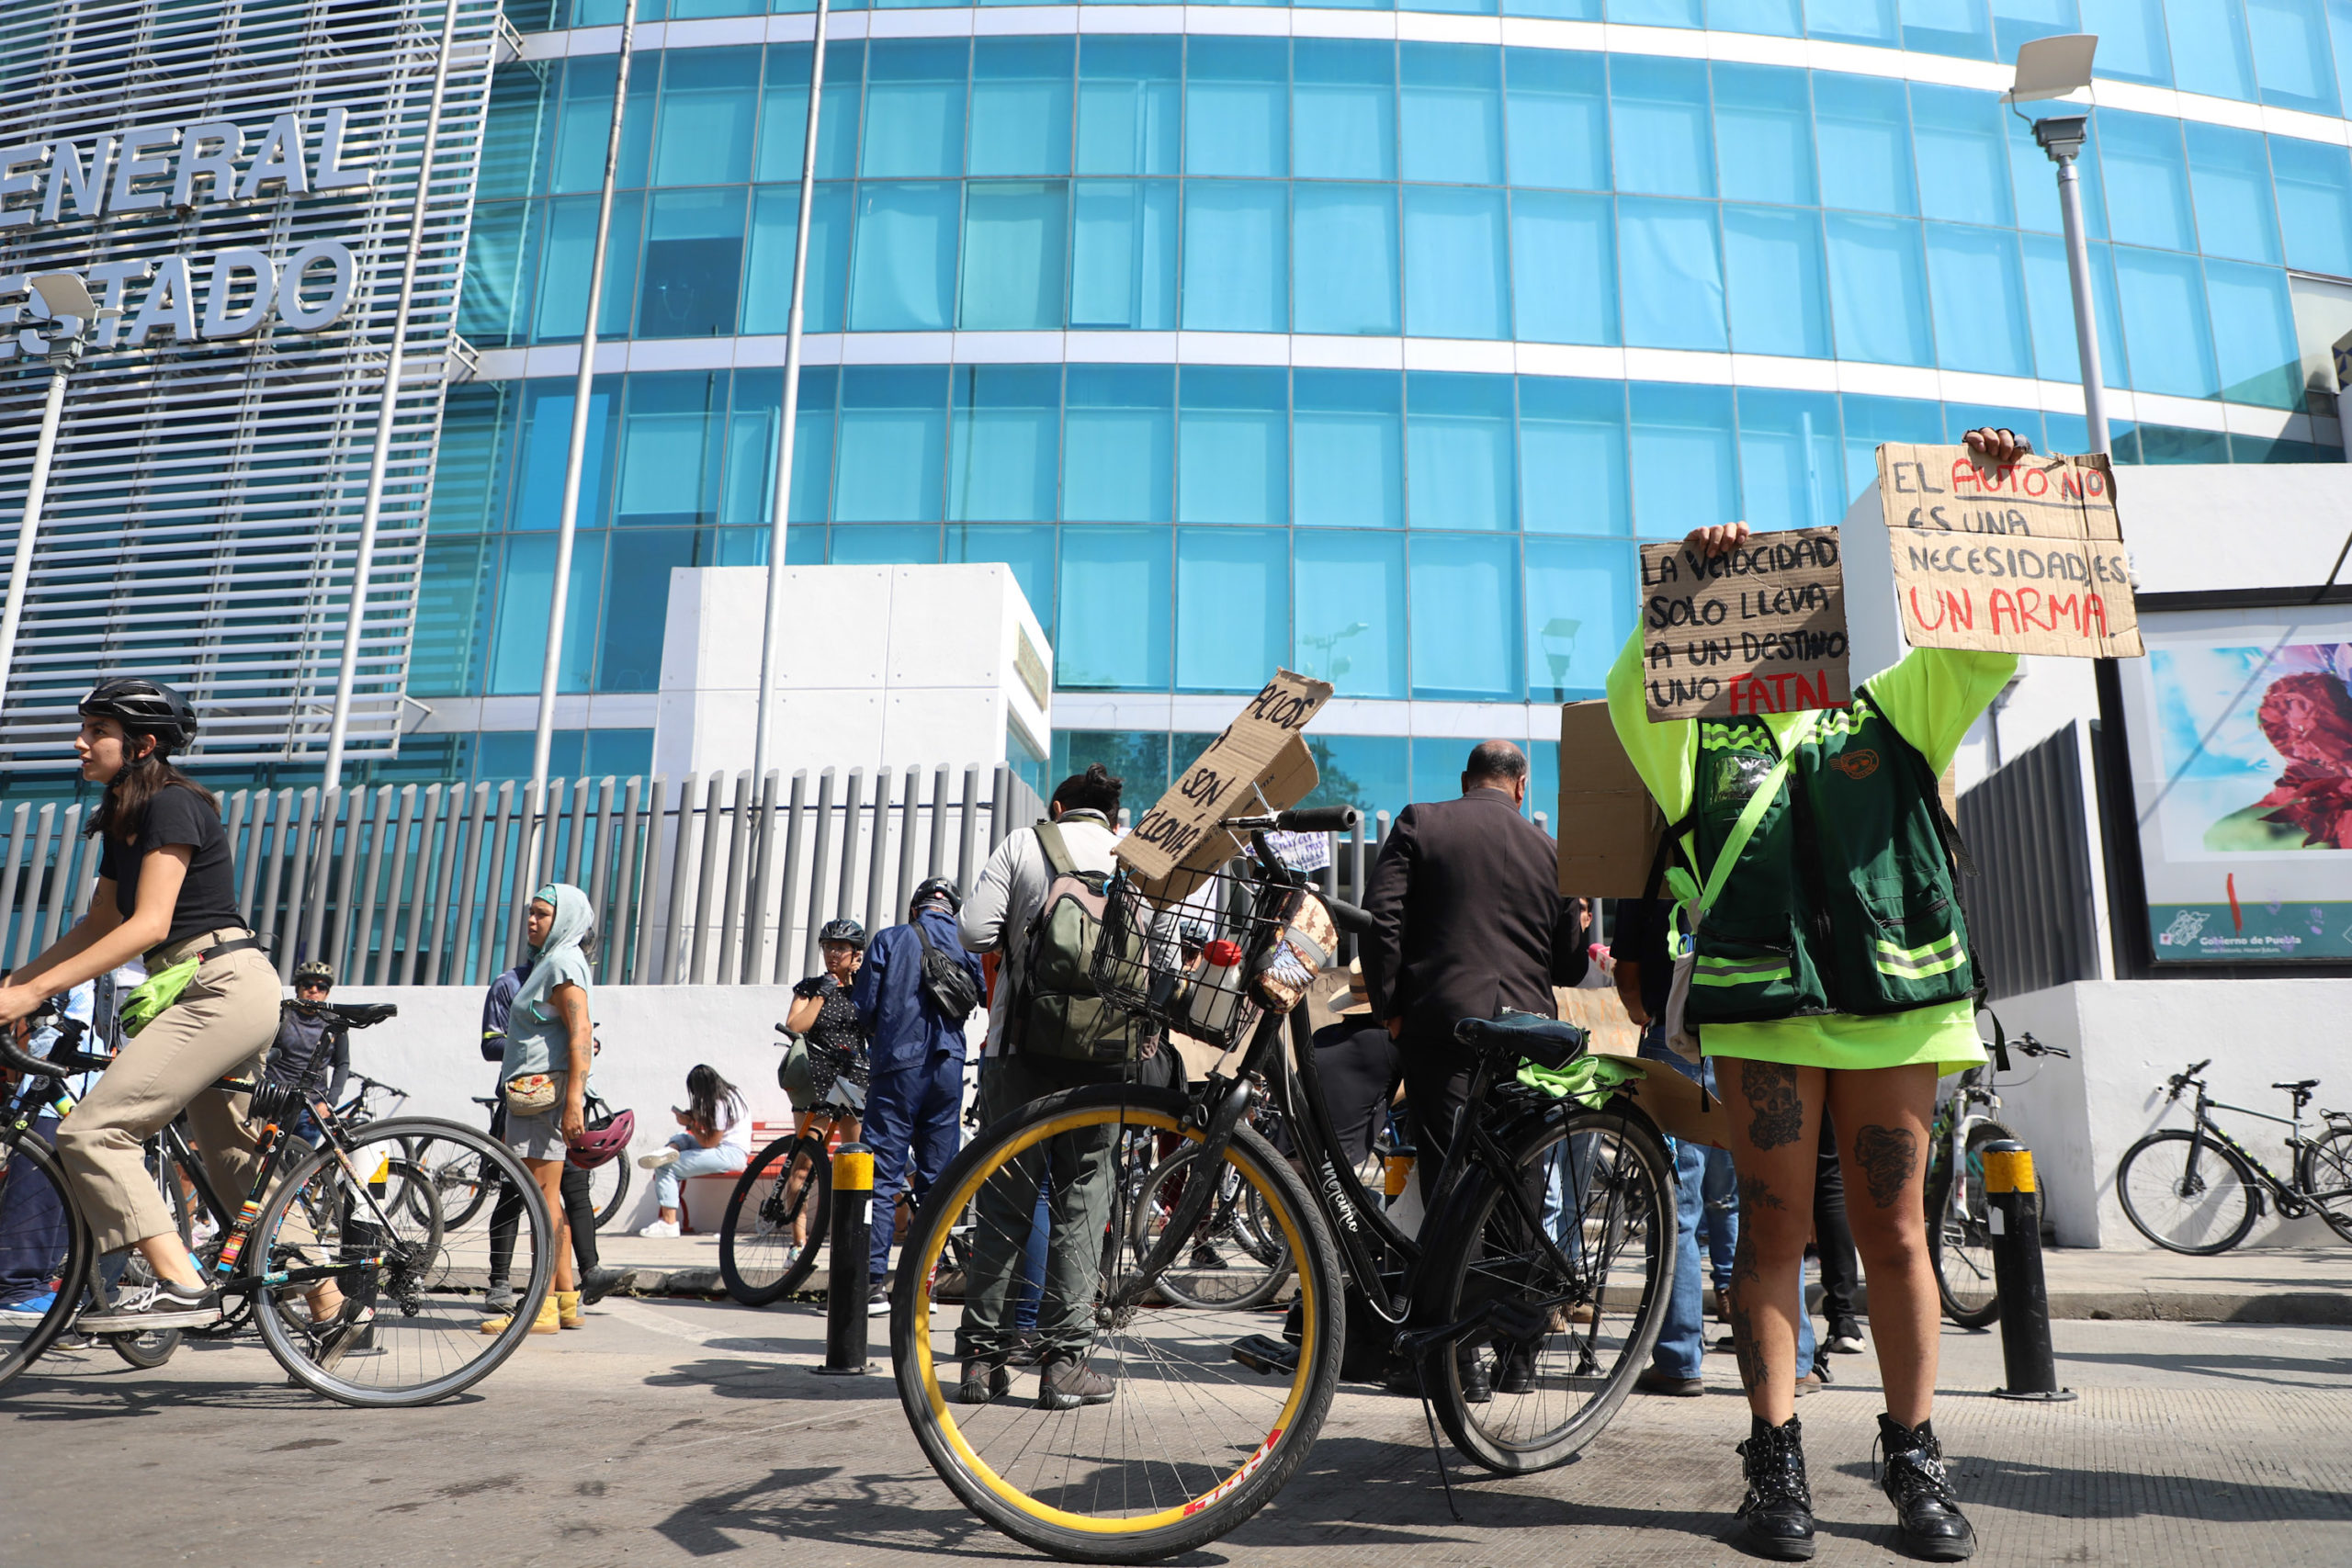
1367	342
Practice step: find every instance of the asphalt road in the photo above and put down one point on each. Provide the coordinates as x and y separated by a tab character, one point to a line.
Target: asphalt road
677	1432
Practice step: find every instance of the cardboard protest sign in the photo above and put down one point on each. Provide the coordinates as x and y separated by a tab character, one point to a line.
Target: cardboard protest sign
1760	628
1608	825
2026	559
1262	752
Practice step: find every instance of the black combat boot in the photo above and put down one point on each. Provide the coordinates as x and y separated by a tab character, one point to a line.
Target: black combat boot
1927	1512
1778	1506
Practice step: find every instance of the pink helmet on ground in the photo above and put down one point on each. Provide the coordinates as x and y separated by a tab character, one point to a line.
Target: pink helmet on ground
605	1138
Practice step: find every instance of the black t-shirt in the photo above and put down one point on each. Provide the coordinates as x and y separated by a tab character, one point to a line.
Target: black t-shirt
209	896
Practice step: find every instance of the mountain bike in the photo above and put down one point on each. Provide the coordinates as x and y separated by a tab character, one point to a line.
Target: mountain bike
776	1218
1525	1309
357	1297
1959	1217
2197	1191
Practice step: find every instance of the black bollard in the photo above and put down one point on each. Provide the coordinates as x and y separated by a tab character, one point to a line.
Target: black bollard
847	1279
2015	1218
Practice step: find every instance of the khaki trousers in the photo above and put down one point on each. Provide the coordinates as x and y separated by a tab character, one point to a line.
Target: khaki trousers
222	1025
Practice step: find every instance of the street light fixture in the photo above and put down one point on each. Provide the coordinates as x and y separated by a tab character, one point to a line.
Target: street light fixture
2053	68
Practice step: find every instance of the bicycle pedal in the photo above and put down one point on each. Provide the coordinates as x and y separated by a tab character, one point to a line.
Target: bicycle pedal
1271	1356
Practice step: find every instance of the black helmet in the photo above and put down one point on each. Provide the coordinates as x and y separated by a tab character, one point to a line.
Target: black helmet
314	969
145	708
936	887
846	930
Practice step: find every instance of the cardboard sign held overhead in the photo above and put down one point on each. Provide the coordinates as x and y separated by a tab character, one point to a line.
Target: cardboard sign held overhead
1262	752
1760	628
2027	558
1608	825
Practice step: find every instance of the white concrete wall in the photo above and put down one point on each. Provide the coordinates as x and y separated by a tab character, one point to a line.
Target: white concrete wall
2127	1037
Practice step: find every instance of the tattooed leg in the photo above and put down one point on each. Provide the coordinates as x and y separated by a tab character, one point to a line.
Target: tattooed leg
1776	1115
1881	1119
1773	1121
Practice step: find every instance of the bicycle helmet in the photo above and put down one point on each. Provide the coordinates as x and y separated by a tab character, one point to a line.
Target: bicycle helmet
603	1139
936	887
145	708
846	930
313	969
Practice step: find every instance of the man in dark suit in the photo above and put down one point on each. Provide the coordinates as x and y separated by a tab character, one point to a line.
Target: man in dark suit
1467	920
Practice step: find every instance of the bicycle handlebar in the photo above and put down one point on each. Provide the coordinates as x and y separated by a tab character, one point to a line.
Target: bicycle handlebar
2181	1080
65	1058
1313	819
2027	1045
1347	917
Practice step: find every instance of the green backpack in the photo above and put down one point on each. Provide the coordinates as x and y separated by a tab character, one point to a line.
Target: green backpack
1056	1010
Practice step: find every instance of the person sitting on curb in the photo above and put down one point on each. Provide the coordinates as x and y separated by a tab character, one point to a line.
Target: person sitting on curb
716	1141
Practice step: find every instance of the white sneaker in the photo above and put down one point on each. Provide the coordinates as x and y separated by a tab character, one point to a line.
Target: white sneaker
661	1229
656	1160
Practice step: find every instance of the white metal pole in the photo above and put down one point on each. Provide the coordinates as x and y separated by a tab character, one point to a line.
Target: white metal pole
20	570
772	624
372	509
2078	274
568	524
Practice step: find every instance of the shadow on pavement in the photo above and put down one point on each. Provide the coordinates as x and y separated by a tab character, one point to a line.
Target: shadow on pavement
2065	1493
821	1504
766	1380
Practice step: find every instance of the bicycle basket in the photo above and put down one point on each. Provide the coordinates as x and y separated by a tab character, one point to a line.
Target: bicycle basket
1187	962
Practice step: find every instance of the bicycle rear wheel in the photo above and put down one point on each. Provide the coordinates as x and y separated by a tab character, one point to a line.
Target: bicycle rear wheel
408	1328
608	1190
790	1182
1181	1444
49	1247
1230	1263
2186	1194
1560	1345
2326	1179
1959	1235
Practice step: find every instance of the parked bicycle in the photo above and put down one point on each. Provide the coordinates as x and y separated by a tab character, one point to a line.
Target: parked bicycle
2198	1191
1525	1329
1960	1216
776	1218
462	1187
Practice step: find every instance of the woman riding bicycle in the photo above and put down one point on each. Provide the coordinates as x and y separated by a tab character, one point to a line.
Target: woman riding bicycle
166	889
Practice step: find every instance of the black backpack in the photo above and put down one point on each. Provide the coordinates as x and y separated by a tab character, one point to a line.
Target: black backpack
946	985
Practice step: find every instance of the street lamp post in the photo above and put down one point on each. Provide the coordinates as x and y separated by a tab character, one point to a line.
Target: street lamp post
67	300
2051	68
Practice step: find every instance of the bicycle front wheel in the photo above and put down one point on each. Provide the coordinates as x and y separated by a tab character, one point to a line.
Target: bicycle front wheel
2185	1193
2326	1178
789	1186
1959	1235
1567	1329
362	1300
50	1247
1125	1430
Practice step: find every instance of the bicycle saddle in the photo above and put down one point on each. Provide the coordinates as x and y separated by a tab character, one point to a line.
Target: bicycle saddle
2297	1088
486	1100
1546	1042
360	1015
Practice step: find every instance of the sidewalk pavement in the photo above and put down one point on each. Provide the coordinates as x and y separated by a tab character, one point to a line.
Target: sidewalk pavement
2261	1284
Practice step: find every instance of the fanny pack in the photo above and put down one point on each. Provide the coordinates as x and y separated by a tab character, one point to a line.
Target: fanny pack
529	1094
162	987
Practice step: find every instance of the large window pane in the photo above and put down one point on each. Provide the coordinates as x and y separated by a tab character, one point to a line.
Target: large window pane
1345	101
1659	126
693	264
767	292
1119	443
1005	443
1232	607
516	134
1557	118
2131	45
453	601
905	545
748	499
2050	302
1465	616
1964	155
2314	186
2210	53
1779	293
1129	105
525	595
2147	181
1112	610
2017	22
1568	10
584	126
1457	268
1580	598
1789	474
1236	257
502	261
914	106
1237	94
1977	290
545	446
1014	234
637	604
1233	445
1764	135
559	308
1657	13
1345	247
1878	291
1348	439
783	111
1028	551
2291	54
1348	611
1670	275
1572	457
1564	267
1782	18
1871	421
903	275
1685	474
670	439
2165	324
703	135
1853	21
1021	105
1459	448
2253	334
1963	28
1865	141
1451	112
1123	255
2230	171
893	445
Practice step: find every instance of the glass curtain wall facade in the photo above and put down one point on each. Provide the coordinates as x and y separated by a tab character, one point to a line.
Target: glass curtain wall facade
1372	356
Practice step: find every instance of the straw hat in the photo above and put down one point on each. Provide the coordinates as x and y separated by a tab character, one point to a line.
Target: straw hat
1355	997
